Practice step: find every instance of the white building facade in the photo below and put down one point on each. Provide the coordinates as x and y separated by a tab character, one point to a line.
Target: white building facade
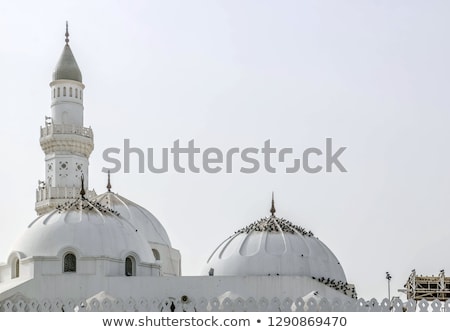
86	249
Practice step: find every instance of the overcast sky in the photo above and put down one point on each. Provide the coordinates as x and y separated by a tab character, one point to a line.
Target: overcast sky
372	75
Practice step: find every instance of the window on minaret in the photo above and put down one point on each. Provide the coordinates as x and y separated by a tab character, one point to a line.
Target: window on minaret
70	92
76	93
64	91
70	263
59	90
81	94
54	93
130	268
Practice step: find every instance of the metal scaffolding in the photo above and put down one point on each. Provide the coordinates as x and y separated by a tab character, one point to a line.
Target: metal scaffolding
428	288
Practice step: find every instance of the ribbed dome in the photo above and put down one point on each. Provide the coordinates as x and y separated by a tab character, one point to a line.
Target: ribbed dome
67	67
146	224
274	246
91	229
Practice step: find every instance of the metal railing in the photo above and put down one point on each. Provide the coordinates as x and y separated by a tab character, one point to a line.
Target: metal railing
66	129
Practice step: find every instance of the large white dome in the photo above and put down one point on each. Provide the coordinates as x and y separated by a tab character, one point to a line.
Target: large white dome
87	227
274	246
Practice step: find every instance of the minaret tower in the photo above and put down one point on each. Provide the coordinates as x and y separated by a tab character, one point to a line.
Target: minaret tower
66	143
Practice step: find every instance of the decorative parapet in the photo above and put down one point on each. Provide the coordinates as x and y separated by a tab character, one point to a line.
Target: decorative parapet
185	304
66	129
67	139
61	193
48	198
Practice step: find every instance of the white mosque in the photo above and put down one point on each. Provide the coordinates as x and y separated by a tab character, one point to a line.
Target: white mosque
86	251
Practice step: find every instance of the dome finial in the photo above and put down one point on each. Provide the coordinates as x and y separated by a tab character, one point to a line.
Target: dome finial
82	192
108	186
272	210
67	33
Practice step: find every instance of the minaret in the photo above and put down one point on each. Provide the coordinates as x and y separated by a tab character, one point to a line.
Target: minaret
66	143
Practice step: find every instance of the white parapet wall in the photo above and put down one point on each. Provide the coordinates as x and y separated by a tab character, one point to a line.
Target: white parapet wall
105	303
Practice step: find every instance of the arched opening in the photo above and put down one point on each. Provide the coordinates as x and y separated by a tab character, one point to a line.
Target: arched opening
70	92
54	93
76	93
15	269
59	90
64	91
130	266
156	254
81	94
70	263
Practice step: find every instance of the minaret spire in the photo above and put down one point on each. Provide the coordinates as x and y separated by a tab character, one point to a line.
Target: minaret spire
108	186
272	210
67	33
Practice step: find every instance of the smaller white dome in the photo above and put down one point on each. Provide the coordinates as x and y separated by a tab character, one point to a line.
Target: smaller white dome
146	224
88	227
274	246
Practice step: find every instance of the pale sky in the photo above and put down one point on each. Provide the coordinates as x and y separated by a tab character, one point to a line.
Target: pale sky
372	75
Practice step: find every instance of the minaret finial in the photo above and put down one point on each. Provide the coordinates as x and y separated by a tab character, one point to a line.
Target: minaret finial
272	210
82	192
67	33
108	186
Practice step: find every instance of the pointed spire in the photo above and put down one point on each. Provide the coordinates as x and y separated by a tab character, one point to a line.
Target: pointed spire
272	210
67	67
108	186
67	33
82	192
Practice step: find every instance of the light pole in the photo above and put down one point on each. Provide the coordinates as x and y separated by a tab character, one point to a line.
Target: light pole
389	277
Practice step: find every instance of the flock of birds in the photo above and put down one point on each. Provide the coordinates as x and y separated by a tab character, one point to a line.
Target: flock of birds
274	224
341	286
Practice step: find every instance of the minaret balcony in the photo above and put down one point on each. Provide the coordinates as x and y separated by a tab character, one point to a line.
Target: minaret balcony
67	139
48	198
66	129
58	192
